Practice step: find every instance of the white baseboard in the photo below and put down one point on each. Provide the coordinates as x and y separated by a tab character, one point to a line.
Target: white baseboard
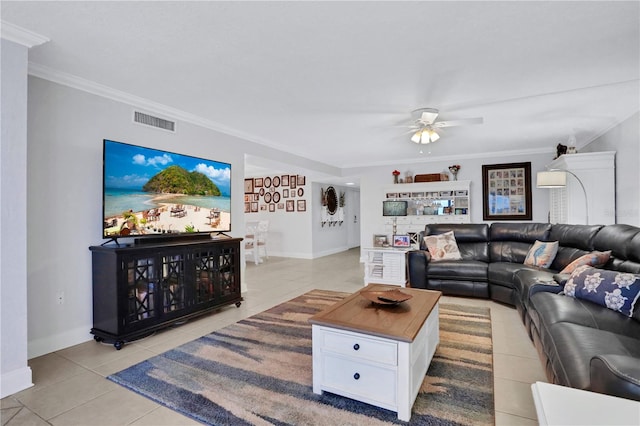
309	256
56	342
15	381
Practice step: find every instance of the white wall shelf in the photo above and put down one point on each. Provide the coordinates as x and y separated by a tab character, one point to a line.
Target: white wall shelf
429	202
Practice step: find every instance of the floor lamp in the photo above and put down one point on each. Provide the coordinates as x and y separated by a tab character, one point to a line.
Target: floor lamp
557	178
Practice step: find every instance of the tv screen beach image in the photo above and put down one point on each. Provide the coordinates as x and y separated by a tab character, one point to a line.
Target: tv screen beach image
148	191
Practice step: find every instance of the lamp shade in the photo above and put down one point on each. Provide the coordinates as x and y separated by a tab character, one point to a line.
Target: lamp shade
551	179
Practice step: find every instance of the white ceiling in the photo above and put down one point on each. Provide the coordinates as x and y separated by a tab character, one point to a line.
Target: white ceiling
334	81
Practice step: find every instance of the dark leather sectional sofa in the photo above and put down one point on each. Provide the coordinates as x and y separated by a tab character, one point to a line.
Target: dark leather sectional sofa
581	344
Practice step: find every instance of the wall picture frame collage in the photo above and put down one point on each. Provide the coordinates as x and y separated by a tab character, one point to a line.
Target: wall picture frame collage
275	193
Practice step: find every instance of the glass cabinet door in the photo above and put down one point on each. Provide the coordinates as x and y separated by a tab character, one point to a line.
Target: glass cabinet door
141	287
205	275
173	283
228	284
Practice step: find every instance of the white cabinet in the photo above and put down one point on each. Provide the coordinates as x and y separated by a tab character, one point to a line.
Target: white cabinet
596	170
384	372
385	266
431	202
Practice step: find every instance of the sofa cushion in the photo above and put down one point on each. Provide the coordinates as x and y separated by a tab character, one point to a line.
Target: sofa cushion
548	308
510	242
596	258
502	273
442	247
464	270
472	238
618	291
541	254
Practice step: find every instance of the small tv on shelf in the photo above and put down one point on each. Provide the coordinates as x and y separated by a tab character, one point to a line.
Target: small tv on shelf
151	192
394	208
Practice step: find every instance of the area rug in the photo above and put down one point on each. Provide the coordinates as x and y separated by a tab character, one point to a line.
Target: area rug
258	372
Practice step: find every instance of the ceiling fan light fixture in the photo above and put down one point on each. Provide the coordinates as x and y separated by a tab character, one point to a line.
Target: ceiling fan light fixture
424	136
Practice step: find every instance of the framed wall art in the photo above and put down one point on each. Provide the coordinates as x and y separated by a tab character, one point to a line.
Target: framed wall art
506	191
248	186
302	205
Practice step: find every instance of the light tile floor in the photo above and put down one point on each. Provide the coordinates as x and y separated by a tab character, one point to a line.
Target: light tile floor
70	386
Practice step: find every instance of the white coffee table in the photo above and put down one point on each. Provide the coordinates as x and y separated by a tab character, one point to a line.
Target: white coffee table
561	405
376	354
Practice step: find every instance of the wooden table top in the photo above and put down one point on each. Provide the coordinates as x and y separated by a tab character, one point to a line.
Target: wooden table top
398	322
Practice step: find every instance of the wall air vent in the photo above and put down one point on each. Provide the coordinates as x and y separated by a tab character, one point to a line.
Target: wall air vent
150	120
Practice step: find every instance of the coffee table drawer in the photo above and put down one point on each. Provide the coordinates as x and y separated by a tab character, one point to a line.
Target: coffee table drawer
357	346
360	381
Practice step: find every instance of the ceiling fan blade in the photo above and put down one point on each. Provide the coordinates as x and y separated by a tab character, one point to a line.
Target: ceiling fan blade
462	122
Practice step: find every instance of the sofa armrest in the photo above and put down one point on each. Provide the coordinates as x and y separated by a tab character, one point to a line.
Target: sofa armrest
617	375
530	282
417	261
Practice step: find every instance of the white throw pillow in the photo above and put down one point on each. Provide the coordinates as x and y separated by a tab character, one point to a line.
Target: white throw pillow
542	254
443	246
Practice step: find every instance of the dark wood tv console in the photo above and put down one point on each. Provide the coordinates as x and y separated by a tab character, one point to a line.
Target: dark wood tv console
138	289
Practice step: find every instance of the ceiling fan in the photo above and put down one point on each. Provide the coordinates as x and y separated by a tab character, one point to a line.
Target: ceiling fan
424	127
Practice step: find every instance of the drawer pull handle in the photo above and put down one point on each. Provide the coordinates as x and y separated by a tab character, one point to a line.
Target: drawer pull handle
356	376
356	347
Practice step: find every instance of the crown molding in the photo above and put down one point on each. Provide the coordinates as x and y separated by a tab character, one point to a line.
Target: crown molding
16	34
101	90
79	83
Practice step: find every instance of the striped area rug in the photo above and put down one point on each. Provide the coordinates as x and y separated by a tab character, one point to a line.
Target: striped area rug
258	372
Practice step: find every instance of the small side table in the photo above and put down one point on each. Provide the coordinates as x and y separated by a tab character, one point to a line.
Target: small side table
385	265
561	405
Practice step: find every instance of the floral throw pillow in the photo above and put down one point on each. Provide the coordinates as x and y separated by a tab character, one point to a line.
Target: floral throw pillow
595	259
542	254
443	246
618	291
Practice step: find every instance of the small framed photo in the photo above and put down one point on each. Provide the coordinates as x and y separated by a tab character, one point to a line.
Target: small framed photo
380	240
285	180
291	205
301	180
247	207
285	193
402	241
258	182
272	207
280	206
293	181
392	195
254	207
248	186
302	205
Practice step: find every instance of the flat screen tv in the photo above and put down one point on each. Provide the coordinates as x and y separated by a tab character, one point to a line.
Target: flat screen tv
394	208
150	192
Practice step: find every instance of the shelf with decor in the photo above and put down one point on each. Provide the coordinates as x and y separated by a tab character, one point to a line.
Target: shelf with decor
429	202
